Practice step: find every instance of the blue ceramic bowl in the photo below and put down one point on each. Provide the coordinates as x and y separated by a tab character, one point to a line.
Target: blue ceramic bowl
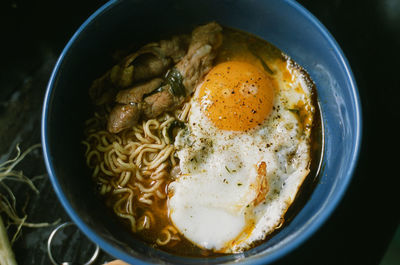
117	24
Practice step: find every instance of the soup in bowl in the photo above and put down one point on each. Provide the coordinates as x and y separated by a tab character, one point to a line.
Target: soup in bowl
184	133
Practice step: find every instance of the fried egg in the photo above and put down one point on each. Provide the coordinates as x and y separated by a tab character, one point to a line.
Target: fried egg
243	156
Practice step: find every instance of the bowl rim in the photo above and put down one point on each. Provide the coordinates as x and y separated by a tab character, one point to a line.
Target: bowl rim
258	259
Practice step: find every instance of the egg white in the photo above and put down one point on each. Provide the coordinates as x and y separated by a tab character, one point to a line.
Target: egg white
212	202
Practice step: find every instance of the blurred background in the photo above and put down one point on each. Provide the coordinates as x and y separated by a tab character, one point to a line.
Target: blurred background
361	231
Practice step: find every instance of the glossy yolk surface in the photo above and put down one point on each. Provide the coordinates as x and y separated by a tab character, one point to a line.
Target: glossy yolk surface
236	96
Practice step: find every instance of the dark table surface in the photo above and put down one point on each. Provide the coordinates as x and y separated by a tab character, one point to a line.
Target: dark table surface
34	32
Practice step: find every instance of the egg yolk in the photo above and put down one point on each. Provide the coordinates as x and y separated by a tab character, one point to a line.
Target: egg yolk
236	96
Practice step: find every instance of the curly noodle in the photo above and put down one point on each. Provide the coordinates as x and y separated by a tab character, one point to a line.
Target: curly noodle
132	168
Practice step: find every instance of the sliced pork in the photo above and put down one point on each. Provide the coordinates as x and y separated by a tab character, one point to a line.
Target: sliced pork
155	97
